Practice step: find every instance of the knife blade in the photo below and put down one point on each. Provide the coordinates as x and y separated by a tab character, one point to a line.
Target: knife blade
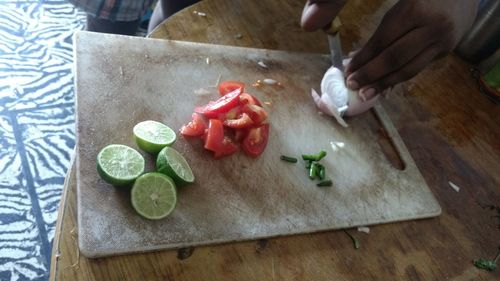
334	42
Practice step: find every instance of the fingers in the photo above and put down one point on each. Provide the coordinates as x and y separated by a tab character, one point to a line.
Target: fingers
319	13
392	58
413	67
392	27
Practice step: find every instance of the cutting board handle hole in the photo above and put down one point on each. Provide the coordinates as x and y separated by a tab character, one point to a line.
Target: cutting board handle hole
386	143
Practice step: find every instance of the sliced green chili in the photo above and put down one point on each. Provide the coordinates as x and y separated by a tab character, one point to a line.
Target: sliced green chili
321	172
313	171
325	183
308	164
314	157
354	240
288	159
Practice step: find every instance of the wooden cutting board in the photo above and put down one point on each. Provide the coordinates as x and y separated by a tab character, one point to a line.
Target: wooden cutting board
121	81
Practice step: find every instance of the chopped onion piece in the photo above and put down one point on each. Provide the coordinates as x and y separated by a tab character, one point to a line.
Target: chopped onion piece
262	64
270	81
201	14
454	186
364	229
202	92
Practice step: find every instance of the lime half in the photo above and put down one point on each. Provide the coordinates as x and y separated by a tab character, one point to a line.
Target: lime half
172	163
152	136
119	164
154	196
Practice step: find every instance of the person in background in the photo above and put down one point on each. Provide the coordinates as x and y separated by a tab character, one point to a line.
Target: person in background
166	8
124	16
411	35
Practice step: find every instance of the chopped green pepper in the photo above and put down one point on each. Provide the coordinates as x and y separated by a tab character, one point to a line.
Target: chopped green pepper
314	157
313	171
288	159
325	183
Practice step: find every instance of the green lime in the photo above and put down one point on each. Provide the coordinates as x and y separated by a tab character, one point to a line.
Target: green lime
172	163
154	196
119	164
152	136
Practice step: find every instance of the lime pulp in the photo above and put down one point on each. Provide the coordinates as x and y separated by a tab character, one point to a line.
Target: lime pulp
119	164
154	196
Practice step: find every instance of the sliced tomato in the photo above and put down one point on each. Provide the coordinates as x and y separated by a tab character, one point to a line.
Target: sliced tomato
223	104
233	113
240	134
215	135
243	121
227	87
246	98
257	113
256	140
194	128
227	147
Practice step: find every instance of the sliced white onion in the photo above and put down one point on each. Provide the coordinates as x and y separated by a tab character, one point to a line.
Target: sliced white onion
336	97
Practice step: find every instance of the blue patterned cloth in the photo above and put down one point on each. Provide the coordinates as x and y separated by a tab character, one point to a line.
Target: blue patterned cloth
37	129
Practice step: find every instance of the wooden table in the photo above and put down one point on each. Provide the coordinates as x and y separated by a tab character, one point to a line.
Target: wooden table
451	130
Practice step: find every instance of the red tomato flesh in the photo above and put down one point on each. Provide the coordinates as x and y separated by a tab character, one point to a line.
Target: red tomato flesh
246	98
194	128
243	121
257	114
215	135
256	140
223	104
226	148
227	87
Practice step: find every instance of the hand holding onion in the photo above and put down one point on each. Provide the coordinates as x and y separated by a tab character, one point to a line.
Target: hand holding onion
337	100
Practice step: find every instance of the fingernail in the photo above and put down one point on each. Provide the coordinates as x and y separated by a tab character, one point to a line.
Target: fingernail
368	93
352	84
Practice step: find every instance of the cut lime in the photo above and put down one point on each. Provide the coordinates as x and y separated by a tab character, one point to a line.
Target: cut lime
152	136
154	196
119	164
172	163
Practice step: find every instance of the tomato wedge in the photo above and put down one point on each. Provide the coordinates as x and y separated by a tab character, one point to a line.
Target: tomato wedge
243	121
215	135
256	140
227	147
194	128
257	113
227	87
246	98
223	104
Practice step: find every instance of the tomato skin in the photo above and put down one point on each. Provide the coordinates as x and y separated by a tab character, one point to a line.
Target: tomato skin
227	87
214	135
226	148
256	140
194	128
257	113
243	121
246	98
222	105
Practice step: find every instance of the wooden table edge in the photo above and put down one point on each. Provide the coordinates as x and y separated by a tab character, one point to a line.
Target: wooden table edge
54	260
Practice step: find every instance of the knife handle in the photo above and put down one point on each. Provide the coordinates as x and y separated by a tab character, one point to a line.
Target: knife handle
333	27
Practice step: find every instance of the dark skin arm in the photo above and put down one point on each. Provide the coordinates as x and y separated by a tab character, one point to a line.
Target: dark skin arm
412	34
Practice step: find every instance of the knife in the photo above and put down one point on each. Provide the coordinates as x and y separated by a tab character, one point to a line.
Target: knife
332	32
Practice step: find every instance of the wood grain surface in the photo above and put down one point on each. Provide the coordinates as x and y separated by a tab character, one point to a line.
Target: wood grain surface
449	127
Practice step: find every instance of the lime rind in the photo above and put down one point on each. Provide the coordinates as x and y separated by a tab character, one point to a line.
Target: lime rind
154	196
119	164
152	136
171	163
